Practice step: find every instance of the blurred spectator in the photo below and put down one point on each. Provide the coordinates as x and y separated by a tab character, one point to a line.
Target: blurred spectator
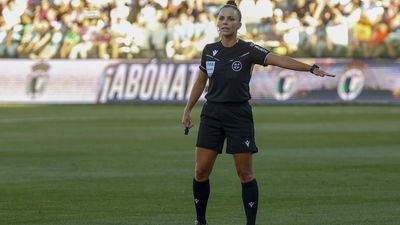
152	36
292	32
181	46
120	28
3	37
379	34
150	15
53	46
337	34
103	39
264	9
29	32
43	9
204	32
301	8
121	11
362	33
14	38
71	39
12	12
41	37
88	37
134	12
249	16
138	43
392	41
373	11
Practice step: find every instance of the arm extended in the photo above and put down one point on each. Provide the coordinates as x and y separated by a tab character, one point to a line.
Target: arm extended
292	64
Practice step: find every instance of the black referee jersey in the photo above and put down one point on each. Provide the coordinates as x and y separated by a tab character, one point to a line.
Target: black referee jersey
229	70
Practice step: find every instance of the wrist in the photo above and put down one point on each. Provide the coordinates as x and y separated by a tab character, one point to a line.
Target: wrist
187	110
313	68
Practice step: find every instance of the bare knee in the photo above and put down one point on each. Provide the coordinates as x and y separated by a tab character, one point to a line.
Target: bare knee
245	175
201	174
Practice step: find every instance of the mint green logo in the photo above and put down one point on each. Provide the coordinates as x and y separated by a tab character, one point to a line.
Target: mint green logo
351	84
285	85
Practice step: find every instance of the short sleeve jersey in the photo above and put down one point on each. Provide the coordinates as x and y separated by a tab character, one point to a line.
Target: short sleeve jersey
229	70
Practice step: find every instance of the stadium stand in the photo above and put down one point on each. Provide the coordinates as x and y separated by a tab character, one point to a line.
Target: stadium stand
179	29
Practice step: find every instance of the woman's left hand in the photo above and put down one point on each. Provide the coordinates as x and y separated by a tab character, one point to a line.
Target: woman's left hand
321	73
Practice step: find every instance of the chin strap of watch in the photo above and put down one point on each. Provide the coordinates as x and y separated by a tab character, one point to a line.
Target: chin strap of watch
315	66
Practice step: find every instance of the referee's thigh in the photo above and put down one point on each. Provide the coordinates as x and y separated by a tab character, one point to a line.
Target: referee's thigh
205	159
244	166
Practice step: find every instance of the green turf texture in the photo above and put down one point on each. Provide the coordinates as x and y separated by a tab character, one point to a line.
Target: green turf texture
131	164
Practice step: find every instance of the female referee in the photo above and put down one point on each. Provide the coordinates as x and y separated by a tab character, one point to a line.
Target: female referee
228	64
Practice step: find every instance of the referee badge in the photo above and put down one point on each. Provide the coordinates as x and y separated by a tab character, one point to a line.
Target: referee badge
236	66
210	67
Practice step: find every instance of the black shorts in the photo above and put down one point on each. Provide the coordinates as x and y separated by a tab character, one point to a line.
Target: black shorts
233	121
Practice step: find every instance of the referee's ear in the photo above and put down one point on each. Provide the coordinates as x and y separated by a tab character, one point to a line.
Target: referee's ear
240	25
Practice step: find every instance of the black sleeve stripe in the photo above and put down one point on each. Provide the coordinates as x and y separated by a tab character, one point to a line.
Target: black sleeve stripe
202	68
261	49
212	57
265	64
247	53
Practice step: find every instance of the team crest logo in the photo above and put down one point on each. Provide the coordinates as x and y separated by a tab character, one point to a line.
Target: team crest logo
351	84
286	85
210	67
236	66
37	80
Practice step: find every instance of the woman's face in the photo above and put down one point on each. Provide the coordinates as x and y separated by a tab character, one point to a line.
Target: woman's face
228	22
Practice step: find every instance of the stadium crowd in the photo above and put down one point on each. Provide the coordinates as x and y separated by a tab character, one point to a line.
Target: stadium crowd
179	29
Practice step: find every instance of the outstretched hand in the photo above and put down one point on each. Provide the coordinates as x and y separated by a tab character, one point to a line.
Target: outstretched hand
321	73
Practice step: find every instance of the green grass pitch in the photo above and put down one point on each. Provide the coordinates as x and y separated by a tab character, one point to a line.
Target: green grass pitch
131	164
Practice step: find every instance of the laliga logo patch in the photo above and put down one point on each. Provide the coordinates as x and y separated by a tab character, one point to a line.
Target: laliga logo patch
351	84
236	66
210	67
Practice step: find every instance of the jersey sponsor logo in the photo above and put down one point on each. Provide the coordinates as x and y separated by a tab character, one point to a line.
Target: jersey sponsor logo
261	49
214	52
351	84
236	66
285	85
258	47
210	65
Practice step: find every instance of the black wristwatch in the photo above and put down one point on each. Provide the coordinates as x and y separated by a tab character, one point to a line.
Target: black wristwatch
315	66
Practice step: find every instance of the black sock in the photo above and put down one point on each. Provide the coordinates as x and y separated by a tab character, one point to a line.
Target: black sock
201	191
250	200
